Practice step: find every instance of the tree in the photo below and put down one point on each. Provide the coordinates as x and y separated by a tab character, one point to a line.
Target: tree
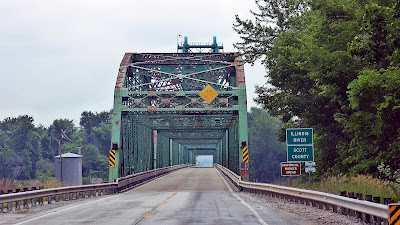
22	146
93	160
273	18
375	126
309	69
27	151
100	136
377	45
332	66
89	119
266	152
7	158
97	128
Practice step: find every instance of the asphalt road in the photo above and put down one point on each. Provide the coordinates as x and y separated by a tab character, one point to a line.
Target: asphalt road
187	196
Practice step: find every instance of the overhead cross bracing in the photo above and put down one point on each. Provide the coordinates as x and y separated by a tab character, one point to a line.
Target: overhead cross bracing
160	119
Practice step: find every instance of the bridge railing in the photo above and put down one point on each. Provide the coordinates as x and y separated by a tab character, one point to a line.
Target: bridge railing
26	200
233	177
367	211
134	179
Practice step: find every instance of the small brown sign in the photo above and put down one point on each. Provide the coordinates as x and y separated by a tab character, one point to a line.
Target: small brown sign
290	168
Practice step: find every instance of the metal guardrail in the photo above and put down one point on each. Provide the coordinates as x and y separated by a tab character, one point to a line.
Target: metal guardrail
26	200
233	177
367	211
131	180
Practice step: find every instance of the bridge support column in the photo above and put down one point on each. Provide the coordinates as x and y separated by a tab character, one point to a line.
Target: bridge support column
186	155
170	152
220	149
243	135
155	149
179	154
226	159
114	171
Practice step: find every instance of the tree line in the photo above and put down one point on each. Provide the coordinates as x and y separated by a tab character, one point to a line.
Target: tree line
333	66
27	151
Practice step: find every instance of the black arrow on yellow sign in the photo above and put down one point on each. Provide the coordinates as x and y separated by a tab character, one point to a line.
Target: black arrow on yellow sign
246	155
112	158
394	214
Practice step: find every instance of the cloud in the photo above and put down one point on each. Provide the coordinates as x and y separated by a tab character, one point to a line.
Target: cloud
59	58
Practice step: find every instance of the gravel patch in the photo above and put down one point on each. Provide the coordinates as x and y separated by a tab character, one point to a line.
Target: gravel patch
301	214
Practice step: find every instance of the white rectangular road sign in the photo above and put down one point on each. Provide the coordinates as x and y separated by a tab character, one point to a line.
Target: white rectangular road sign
310	164
310	167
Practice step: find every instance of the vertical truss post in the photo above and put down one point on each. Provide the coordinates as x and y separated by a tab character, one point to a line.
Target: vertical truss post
114	171
226	149
243	134
179	155
170	152
243	130
215	156
220	147
217	152
186	155
193	158
221	150
155	149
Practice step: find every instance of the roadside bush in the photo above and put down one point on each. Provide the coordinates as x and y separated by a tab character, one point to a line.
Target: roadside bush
364	184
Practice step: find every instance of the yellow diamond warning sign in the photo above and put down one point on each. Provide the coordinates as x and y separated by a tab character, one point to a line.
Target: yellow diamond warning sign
208	94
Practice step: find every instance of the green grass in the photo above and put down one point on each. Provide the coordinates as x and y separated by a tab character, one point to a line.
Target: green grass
366	185
21	212
6	184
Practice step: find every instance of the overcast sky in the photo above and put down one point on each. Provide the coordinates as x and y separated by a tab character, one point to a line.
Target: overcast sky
59	58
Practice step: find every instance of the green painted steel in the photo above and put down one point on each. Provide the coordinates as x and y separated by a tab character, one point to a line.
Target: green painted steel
162	151
161	120
187	47
234	153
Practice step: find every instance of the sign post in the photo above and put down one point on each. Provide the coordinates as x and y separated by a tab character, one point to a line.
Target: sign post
309	168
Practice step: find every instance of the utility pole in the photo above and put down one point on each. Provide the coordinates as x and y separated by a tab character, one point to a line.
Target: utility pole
62	136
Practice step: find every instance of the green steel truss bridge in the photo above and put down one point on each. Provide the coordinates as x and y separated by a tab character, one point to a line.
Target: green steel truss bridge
160	118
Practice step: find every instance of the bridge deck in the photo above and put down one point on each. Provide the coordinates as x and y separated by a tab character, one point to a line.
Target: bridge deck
204	179
187	196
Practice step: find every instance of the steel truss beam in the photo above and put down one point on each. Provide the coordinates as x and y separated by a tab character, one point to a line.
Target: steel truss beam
160	119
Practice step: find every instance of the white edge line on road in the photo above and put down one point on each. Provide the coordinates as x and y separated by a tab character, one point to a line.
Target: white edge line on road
259	218
115	195
48	214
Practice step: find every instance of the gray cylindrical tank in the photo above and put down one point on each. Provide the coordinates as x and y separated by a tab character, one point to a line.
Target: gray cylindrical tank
69	170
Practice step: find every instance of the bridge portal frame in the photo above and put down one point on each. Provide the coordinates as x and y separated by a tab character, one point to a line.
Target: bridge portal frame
146	86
